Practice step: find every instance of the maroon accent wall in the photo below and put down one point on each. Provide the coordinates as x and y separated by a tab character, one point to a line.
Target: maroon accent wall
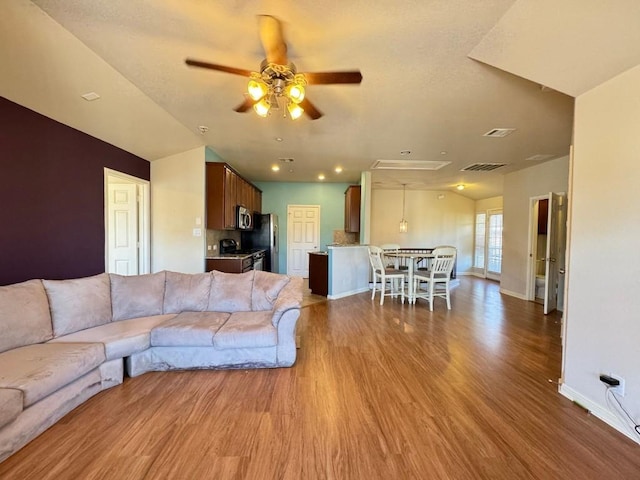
52	196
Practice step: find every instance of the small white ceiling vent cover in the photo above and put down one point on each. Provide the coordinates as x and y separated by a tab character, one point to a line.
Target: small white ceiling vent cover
482	167
408	165
499	132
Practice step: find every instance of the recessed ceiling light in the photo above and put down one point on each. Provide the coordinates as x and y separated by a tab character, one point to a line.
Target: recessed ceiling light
278	139
275	168
460	187
405	152
321	177
443	152
91	96
338	169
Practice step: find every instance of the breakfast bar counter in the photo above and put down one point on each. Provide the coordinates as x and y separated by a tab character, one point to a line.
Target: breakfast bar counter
348	270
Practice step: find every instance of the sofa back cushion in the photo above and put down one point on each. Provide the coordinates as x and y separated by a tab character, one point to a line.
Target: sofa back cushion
266	287
230	292
24	315
137	296
186	292
79	303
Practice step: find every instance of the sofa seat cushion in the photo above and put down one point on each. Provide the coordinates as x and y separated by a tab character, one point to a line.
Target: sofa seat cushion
10	405
231	292
79	303
120	339
41	369
186	292
24	315
246	330
191	329
137	296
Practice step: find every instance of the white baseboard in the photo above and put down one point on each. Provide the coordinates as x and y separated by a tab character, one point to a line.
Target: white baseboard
598	411
348	294
514	294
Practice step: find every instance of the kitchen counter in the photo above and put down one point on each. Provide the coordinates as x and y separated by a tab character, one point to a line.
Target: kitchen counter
348	270
222	256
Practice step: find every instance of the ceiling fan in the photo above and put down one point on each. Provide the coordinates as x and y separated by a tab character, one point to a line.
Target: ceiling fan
278	83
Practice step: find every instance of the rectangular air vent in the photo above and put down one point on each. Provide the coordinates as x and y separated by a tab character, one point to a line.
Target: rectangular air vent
499	132
482	167
408	165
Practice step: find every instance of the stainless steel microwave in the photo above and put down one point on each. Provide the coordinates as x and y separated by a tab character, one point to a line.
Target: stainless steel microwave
244	220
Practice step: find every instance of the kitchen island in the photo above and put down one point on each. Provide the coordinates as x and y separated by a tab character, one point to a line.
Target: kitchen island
348	270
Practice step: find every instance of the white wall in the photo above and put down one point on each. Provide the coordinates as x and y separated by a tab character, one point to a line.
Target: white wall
432	222
492	203
177	200
519	187
603	302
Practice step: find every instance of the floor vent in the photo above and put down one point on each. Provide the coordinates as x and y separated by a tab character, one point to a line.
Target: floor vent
482	167
408	165
499	132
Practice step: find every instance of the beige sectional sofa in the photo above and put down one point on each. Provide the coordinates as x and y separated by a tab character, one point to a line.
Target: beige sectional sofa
63	341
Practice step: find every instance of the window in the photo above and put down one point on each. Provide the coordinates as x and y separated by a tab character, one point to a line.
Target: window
478	258
487	258
494	243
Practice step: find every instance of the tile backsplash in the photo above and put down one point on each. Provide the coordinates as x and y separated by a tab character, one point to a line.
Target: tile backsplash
343	238
214	237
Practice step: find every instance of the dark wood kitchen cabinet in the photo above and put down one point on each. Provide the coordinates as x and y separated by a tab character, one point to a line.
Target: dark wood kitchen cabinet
225	190
352	209
319	273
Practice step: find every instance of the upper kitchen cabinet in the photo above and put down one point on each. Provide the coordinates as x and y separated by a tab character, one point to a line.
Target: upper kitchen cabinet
225	191
352	209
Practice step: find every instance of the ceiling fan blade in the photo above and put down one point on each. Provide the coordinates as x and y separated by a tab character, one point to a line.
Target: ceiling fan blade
245	106
326	78
222	68
272	39
310	109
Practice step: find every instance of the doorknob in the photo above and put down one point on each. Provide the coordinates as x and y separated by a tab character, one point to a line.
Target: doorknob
553	260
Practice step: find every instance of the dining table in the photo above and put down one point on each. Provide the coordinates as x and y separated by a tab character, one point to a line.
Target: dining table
412	257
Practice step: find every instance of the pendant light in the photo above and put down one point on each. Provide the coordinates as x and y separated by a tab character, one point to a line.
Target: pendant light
404	225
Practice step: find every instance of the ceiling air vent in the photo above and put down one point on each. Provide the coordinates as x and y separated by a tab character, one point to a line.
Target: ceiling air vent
408	165
482	167
499	132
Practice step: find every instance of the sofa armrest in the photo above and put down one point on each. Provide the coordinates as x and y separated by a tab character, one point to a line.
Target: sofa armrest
290	297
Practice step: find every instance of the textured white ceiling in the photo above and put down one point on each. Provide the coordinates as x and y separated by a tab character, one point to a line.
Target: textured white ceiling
421	91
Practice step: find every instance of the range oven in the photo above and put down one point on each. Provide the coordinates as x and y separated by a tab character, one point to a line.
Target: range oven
251	259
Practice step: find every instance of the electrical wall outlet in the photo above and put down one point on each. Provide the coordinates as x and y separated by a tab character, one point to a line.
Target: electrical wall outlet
209	247
620	388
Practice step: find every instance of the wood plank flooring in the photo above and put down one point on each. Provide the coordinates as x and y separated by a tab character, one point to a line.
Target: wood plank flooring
391	392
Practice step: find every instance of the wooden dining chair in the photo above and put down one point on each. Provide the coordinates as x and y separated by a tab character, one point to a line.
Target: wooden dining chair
384	275
437	278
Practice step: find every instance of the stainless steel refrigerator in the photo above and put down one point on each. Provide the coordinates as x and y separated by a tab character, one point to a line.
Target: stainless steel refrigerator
264	236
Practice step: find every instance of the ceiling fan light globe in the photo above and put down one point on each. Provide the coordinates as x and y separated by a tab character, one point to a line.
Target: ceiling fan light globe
295	110
256	90
295	92
262	108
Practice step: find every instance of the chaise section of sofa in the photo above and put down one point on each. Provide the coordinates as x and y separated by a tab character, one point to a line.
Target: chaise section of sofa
39	382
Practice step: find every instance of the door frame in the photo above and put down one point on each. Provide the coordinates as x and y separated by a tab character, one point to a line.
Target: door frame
533	240
144	217
290	230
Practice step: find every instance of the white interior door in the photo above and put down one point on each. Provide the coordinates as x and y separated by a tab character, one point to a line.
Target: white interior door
122	228
551	256
303	236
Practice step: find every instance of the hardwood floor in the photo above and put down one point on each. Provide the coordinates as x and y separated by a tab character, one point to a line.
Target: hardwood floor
391	392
